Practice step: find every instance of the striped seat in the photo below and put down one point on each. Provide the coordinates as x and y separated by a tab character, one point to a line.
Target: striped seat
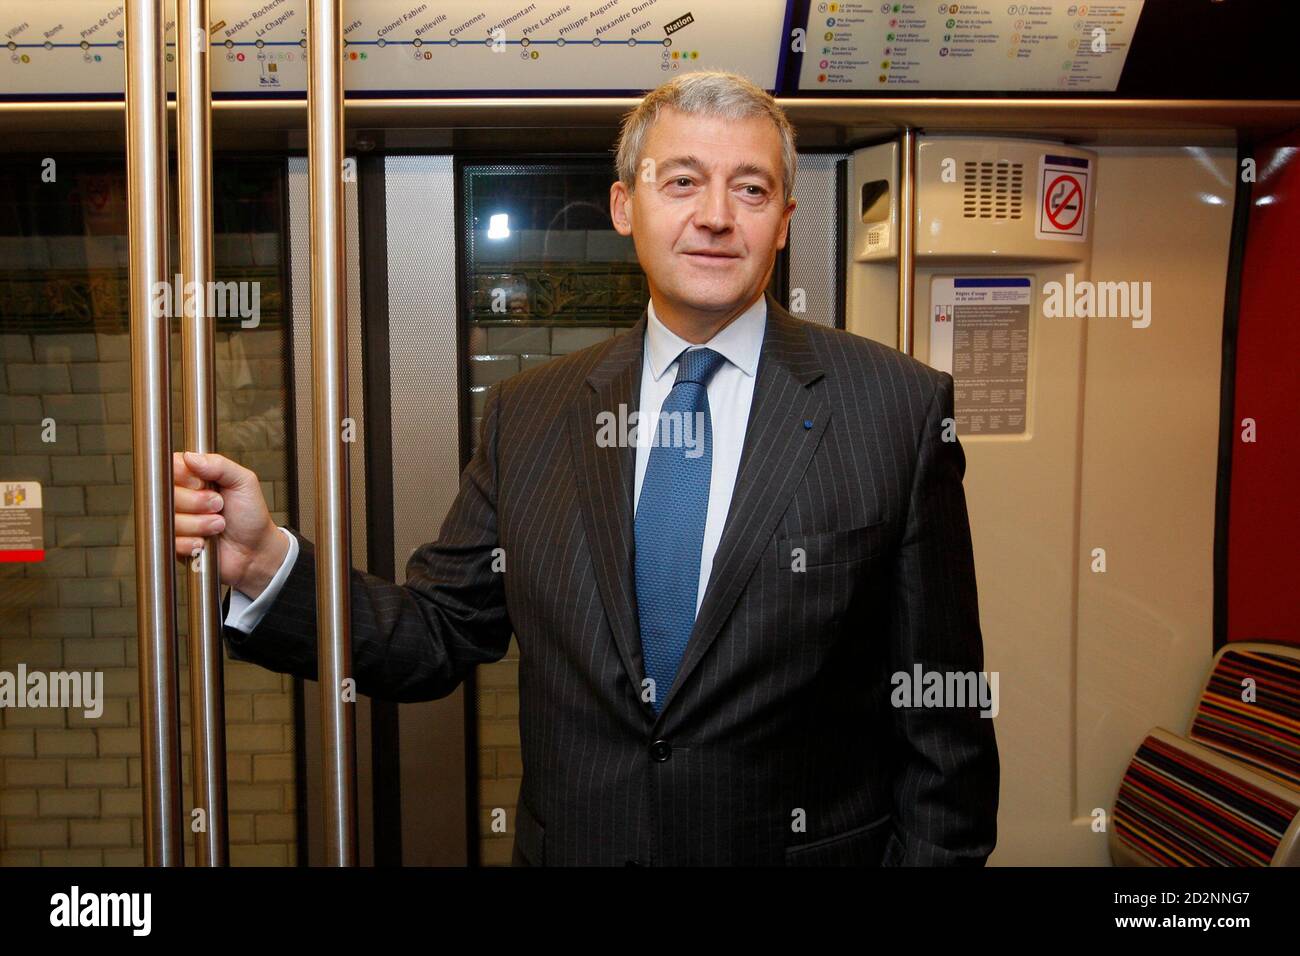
1263	732
1229	795
1182	804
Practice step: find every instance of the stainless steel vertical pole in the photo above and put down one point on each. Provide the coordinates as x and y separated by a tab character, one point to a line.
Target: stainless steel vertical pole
194	164
151	446
329	390
906	238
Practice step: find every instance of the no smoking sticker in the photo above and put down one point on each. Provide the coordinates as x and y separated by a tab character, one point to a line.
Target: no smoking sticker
1063	198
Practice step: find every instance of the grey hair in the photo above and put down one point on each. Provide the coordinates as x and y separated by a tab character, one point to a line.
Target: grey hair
709	93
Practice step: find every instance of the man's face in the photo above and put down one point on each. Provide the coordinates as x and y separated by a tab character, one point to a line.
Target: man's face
707	215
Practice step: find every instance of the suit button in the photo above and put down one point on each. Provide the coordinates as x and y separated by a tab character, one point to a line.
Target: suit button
661	750
634	863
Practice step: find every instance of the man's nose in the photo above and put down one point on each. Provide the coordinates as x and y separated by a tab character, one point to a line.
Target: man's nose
714	208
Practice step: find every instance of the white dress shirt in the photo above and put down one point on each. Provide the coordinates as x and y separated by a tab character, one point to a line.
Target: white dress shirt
731	392
245	613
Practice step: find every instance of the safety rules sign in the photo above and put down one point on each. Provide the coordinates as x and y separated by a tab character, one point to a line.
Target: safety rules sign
22	536
1063	198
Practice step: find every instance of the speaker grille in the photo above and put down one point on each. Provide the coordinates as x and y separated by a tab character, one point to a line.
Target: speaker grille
992	189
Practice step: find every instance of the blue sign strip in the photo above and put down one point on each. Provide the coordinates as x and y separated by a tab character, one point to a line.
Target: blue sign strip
1021	283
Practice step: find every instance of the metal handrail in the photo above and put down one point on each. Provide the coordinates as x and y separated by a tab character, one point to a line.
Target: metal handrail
906	238
194	167
151	445
329	409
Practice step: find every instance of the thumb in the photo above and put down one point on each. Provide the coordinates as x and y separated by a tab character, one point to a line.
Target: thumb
214	467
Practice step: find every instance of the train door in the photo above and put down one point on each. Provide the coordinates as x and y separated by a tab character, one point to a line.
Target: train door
72	776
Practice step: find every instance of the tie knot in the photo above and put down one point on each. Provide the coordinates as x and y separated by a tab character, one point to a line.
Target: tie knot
698	365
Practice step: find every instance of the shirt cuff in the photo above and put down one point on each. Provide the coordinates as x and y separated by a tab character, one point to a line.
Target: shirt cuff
245	613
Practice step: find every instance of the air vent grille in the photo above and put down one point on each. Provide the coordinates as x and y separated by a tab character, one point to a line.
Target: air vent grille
992	189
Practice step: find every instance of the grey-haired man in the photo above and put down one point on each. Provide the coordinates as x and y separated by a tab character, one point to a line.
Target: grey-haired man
711	608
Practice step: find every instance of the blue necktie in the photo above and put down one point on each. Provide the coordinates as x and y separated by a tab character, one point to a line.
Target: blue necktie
670	518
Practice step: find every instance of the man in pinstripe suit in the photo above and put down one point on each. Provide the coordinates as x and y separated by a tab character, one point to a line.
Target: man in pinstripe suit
711	615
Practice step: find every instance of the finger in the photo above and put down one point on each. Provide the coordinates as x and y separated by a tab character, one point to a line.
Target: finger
199	525
181	474
197	502
187	547
218	468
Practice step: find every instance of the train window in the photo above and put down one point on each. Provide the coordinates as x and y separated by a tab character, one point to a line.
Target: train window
65	423
547	274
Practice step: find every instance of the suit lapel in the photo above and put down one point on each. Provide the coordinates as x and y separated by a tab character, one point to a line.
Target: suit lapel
778	446
606	476
776	453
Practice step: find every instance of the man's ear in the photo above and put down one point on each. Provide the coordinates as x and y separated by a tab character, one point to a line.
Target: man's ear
620	208
785	224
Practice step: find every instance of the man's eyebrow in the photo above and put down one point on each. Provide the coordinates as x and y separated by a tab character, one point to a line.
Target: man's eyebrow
753	169
693	162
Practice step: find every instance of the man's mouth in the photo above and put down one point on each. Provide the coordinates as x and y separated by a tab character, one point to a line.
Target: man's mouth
710	254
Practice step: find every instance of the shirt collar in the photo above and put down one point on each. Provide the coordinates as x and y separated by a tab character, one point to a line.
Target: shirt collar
739	341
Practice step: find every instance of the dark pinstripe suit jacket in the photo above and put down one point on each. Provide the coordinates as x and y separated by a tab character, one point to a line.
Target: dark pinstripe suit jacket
777	742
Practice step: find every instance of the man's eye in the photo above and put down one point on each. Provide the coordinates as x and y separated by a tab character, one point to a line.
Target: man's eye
682	181
758	190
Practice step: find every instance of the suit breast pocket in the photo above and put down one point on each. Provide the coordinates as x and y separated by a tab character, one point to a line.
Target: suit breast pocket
799	551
